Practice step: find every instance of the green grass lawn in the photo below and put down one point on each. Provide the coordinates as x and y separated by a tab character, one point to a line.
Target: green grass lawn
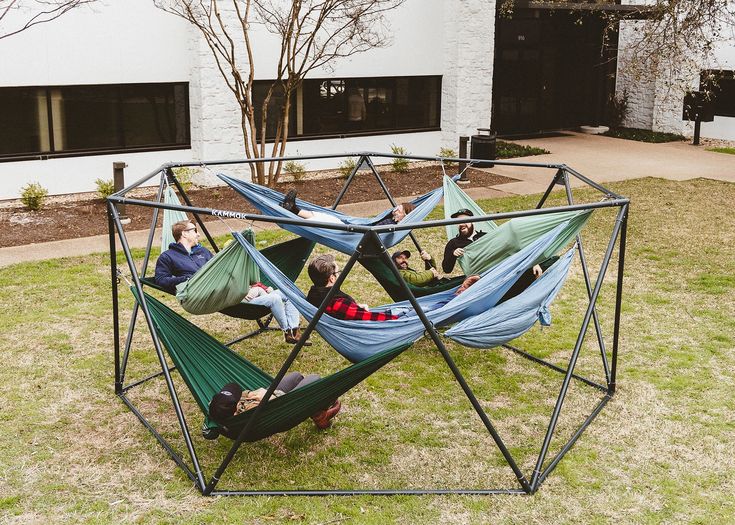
729	151
660	452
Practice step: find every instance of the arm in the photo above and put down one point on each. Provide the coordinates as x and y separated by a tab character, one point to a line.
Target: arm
449	258
343	308
428	260
164	275
418	278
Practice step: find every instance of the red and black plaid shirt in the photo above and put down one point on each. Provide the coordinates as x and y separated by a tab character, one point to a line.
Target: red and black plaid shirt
345	308
342	306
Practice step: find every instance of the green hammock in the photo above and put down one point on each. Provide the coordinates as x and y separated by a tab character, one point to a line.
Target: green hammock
234	269
170	217
510	237
206	365
389	283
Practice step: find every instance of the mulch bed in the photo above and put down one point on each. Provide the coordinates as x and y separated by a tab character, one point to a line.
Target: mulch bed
71	219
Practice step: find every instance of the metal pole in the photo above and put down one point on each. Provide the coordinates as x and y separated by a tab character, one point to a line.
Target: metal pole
452	366
462	166
618	302
697	128
115	306
282	372
588	285
575	354
159	350
172	177
556	180
118	180
348	182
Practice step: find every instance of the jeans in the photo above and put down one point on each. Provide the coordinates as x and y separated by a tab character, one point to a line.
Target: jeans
294	380
286	314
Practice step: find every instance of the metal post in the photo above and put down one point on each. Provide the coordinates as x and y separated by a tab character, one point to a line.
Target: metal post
618	301
697	127
348	182
282	372
462	166
118	180
115	306
575	354
452	366
558	179
159	349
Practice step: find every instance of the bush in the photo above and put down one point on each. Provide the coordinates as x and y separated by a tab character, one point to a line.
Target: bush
510	150
617	109
296	169
346	167
105	188
448	152
643	135
400	165
33	196
184	176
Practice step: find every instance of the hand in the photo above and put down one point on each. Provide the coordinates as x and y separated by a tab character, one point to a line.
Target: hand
459	252
435	273
537	271
269	290
425	255
363	306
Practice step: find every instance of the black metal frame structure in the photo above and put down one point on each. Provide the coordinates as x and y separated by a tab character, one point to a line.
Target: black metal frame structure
371	246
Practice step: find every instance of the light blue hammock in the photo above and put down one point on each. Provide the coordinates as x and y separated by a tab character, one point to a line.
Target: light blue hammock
358	340
269	201
517	315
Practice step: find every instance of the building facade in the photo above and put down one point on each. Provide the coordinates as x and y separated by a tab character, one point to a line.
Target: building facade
127	82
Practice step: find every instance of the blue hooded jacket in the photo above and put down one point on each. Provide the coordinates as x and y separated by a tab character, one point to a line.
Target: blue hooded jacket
176	265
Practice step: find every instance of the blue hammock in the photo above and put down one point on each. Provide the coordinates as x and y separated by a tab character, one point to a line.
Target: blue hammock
517	315
269	201
358	340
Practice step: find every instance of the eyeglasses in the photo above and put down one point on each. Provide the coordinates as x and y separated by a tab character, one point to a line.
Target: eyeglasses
191	229
337	272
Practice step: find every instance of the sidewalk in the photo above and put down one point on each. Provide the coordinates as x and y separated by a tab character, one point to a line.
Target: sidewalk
602	159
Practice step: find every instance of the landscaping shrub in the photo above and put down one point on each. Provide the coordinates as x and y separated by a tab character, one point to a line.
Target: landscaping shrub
400	165
509	150
105	188
448	152
346	167
184	176
296	169
643	135
33	196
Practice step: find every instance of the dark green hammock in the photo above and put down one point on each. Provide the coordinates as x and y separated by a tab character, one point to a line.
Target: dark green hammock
206	365
289	257
387	280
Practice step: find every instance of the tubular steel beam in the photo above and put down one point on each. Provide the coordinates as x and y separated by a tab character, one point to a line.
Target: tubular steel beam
357	492
171	175
115	305
618	300
575	352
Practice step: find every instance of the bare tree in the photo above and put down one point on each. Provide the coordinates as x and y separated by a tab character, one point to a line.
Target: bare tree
312	33
18	15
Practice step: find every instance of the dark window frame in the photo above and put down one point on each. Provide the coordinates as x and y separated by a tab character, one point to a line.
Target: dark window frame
724	106
363	132
118	103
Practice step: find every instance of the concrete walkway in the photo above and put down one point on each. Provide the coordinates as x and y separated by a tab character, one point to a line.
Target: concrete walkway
602	159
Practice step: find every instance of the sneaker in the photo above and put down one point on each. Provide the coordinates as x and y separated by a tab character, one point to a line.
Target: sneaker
292	337
323	418
289	202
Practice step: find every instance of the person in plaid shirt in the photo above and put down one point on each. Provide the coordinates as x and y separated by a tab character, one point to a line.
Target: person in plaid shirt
323	271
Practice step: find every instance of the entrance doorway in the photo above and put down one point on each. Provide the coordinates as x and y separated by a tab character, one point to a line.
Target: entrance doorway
549	72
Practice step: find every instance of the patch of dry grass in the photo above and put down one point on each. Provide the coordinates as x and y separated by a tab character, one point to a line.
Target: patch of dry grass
660	452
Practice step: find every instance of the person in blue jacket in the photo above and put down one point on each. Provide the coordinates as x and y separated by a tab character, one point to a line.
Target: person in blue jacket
186	256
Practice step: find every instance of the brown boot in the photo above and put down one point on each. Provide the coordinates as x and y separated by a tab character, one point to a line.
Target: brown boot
293	335
323	419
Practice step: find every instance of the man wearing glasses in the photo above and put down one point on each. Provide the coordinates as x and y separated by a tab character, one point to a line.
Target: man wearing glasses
183	257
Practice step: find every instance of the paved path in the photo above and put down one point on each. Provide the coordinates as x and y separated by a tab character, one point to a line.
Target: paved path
602	159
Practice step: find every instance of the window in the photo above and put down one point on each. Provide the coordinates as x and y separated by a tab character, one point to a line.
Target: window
335	107
722	86
73	120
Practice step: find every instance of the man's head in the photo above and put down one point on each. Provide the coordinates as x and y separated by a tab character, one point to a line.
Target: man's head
400	211
323	270
466	228
224	403
185	233
401	259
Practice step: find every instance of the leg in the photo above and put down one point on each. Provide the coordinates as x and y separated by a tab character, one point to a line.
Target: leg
292	314
290	381
274	301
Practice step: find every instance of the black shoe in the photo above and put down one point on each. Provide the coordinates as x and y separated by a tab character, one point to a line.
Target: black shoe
289	202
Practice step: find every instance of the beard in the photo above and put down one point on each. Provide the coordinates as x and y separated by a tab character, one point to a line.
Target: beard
466	232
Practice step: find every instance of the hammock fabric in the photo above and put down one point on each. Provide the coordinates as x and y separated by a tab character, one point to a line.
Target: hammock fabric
268	202
289	257
517	315
389	283
358	340
501	241
170	217
206	365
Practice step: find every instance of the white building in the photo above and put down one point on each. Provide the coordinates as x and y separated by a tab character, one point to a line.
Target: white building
124	81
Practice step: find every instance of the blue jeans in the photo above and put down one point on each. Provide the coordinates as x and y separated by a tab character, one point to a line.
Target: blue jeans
286	314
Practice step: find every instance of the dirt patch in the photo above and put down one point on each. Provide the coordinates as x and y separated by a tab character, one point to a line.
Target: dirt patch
72	218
